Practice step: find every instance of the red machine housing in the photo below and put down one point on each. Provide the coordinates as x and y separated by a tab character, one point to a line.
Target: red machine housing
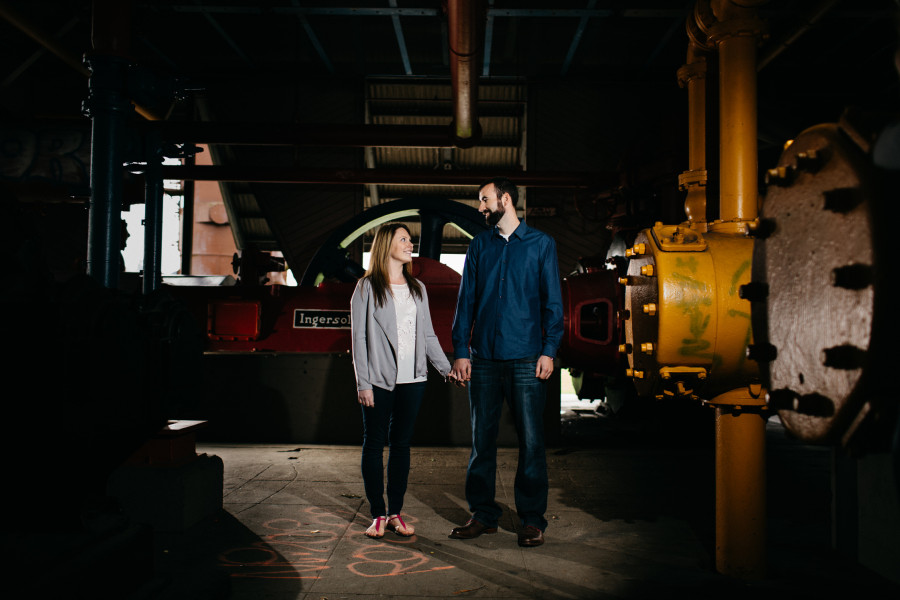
303	319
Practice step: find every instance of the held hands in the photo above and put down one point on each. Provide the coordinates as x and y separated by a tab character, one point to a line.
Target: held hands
461	372
366	397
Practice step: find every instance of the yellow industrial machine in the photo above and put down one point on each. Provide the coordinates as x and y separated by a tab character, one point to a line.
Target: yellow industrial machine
687	326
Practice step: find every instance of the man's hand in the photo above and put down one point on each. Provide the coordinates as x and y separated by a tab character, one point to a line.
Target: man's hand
544	367
461	371
366	397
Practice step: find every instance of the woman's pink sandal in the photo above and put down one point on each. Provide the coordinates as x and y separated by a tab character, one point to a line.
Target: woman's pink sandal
407	530
377	524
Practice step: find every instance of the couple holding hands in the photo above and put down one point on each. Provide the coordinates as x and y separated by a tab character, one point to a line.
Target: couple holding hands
506	331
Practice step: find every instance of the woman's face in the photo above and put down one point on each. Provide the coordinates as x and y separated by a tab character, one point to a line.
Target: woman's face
401	246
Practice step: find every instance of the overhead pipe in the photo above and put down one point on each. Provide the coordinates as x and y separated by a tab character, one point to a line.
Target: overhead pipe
465	24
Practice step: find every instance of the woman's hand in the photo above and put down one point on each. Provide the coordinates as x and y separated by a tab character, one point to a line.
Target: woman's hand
450	377
366	397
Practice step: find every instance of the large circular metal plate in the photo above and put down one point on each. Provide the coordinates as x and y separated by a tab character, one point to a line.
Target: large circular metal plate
817	258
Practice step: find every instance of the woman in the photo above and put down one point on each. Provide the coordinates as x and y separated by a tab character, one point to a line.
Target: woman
392	337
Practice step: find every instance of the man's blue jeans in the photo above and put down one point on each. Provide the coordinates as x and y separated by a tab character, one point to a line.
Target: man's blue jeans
492	381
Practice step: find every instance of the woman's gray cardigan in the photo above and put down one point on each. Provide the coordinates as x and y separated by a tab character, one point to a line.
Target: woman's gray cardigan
374	333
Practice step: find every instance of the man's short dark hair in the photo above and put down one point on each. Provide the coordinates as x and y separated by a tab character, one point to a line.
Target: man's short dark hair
503	186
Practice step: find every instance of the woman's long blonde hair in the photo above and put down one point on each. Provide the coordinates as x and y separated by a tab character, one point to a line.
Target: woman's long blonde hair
378	273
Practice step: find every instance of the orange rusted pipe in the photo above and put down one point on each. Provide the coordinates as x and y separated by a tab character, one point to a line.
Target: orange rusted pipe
465	24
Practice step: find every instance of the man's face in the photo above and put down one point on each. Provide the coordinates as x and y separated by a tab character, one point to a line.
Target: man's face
490	205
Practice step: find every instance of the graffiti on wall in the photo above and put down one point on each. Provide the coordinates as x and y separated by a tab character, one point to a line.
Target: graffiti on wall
51	154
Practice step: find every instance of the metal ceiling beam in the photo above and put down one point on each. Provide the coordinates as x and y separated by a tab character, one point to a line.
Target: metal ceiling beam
576	40
314	40
780	45
224	34
488	40
386	176
677	25
284	134
38	53
401	41
42	38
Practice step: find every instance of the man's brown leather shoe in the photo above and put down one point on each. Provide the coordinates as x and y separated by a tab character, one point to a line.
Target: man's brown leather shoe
531	536
472	529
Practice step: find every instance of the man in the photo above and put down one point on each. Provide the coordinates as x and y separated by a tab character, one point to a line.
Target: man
508	326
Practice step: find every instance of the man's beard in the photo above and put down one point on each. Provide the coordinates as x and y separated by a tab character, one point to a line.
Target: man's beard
494	216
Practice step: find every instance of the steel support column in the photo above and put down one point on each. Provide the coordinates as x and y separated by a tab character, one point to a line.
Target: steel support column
153	219
109	111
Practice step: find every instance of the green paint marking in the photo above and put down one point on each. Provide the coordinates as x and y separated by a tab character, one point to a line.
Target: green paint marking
737	277
690	263
738	313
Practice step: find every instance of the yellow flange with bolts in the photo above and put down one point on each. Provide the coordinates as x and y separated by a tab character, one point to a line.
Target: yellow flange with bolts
683	305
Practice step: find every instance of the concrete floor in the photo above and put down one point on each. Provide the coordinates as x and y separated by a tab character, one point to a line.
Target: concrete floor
630	511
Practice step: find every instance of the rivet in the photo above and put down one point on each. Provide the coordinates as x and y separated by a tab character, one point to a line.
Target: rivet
754	291
624	348
810	161
763	228
624	281
846	357
762	352
647	270
636	250
780	176
852	277
781	399
843	200
650	309
635	374
647	347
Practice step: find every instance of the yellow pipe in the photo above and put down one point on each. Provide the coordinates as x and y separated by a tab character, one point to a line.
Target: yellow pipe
693	76
739	419
740	484
735	33
737	122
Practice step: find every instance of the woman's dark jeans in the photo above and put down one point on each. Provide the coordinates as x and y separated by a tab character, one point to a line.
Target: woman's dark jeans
391	421
492	381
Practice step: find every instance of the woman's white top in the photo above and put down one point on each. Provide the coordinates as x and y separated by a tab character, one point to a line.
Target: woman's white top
405	306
